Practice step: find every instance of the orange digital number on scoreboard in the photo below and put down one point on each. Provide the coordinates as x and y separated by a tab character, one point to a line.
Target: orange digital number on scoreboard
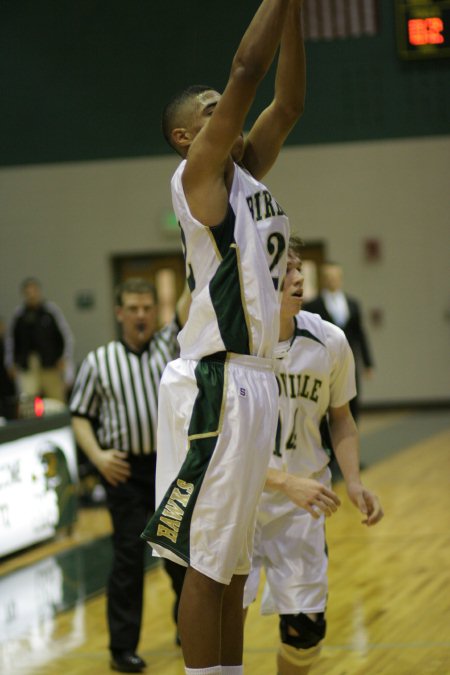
428	31
423	28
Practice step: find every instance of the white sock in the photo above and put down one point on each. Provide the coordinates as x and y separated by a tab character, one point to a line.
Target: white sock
215	670
232	670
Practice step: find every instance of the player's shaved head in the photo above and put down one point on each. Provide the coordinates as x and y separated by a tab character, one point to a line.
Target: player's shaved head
179	107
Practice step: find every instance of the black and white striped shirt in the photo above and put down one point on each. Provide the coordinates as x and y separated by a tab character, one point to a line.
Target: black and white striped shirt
117	390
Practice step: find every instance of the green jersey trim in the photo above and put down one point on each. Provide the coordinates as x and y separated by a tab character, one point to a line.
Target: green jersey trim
302	332
227	297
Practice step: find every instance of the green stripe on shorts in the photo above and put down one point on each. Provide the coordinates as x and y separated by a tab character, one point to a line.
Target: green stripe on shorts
170	526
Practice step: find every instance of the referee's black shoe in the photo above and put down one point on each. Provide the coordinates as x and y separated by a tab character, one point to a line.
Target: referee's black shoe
127	662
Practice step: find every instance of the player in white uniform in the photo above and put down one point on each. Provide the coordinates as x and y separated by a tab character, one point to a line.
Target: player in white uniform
218	402
316	377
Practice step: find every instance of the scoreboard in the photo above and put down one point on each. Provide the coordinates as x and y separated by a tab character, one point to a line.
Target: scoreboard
423	28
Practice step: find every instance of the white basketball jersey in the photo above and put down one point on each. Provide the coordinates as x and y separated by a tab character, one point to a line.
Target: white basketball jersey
235	271
318	372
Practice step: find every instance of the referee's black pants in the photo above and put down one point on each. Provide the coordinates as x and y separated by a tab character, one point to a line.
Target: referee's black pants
130	505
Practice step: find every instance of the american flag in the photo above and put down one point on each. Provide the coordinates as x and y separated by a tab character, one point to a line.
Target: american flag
334	19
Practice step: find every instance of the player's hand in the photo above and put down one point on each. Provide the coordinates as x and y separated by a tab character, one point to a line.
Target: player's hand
367	502
113	466
312	496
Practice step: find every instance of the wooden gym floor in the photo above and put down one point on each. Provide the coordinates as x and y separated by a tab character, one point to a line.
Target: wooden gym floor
389	604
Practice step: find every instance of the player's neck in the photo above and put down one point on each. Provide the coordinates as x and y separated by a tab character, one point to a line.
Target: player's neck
287	327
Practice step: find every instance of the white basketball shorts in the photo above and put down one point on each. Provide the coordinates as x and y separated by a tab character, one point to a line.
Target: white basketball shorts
292	550
216	429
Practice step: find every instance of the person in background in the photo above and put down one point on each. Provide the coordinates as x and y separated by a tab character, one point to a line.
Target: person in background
7	384
39	346
336	306
315	376
114	411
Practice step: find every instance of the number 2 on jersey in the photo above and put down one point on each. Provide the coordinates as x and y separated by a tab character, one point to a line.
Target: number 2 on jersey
276	246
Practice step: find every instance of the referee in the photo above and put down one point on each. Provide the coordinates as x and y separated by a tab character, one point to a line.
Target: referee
114	414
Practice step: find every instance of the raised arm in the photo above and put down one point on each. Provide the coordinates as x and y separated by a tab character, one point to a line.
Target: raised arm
272	127
209	149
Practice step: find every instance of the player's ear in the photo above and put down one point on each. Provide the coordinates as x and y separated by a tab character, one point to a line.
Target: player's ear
181	137
118	311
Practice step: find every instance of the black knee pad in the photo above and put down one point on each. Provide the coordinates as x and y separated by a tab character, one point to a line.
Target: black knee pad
310	632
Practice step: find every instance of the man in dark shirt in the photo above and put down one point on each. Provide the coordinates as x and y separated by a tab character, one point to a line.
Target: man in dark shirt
333	305
39	345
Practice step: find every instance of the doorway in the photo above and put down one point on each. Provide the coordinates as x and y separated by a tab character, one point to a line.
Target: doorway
167	272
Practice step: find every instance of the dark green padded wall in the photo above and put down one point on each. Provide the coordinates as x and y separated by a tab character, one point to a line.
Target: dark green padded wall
86	79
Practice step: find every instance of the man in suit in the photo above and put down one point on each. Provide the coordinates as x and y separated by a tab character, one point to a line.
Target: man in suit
344	311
